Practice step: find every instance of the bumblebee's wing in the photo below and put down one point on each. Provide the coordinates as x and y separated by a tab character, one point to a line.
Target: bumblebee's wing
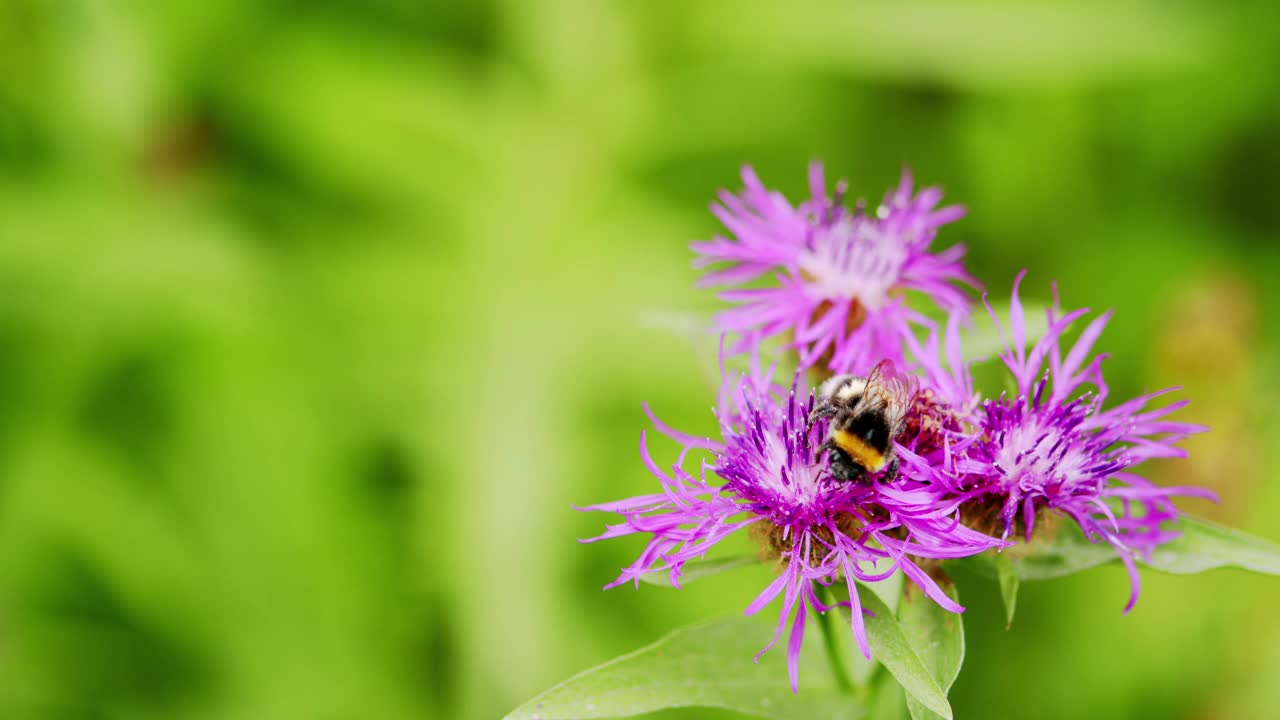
900	393
882	368
891	392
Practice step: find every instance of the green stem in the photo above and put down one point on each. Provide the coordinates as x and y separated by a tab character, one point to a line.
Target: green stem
838	666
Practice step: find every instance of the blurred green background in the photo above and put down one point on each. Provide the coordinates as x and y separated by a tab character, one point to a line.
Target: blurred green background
316	318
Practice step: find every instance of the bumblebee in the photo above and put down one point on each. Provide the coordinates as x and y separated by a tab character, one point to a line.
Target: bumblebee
866	415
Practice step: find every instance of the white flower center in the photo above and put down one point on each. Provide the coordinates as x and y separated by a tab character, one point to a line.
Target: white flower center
1035	456
853	258
800	485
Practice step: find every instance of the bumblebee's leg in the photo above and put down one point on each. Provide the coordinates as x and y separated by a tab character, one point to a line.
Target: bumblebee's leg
845	468
827	445
820	413
891	473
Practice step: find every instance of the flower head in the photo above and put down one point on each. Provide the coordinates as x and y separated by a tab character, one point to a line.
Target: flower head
820	530
841	275
1055	447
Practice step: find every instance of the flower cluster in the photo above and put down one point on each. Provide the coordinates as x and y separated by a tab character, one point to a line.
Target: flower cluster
969	473
772	478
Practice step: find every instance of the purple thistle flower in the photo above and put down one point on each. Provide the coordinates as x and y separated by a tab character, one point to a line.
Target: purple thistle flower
819	529
1054	446
841	275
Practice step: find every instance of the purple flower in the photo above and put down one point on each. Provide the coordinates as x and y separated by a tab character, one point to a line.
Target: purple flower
841	275
819	529
1055	447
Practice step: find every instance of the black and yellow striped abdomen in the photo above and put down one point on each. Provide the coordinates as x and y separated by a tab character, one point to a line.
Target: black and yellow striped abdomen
860	450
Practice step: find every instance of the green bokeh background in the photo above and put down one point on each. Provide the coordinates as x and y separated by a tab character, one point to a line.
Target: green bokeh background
316	318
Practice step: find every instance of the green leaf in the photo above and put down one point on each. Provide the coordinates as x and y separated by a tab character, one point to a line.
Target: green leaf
1204	546
892	647
698	569
1008	578
708	665
937	636
984	341
1062	552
